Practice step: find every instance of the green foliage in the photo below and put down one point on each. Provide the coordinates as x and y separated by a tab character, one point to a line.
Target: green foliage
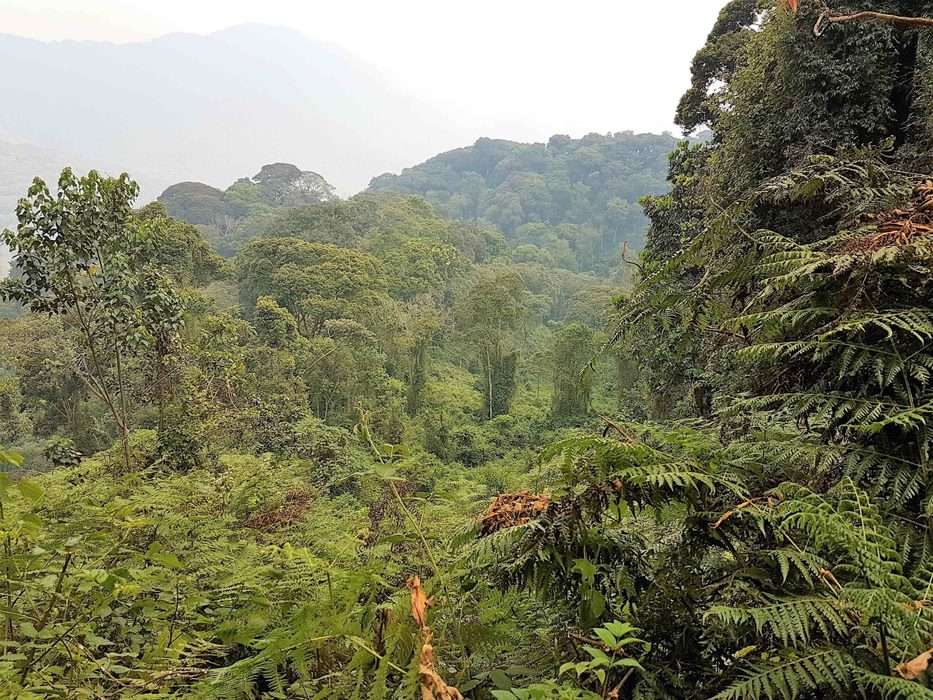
316	282
573	197
82	256
489	314
61	452
574	348
363	427
275	326
230	218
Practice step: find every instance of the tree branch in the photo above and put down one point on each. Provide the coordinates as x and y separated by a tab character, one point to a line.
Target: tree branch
626	260
828	17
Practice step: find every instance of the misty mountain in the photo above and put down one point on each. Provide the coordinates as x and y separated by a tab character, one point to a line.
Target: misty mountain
208	108
19	164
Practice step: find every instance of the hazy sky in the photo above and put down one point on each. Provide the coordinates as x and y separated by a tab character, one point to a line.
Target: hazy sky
522	69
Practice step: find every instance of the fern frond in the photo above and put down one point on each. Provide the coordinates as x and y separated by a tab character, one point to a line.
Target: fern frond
891	687
824	670
792	620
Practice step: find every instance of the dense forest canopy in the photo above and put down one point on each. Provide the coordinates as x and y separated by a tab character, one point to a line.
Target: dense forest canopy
268	443
576	198
229	217
570	203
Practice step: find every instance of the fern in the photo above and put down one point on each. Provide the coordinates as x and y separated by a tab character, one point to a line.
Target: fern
891	687
823	671
793	621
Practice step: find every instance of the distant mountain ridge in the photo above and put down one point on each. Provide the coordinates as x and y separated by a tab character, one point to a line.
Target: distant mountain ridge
208	108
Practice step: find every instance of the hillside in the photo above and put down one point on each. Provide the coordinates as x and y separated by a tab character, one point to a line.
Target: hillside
575	198
247	208
436	440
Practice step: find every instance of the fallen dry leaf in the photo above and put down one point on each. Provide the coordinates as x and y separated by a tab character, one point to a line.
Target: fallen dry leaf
913	668
419	602
511	509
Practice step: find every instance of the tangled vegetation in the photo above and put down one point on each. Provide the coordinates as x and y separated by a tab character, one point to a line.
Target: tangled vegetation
383	454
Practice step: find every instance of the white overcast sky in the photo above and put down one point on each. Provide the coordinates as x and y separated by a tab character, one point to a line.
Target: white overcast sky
520	69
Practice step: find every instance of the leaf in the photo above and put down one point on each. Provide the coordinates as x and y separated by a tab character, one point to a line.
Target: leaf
30	490
606	637
502	681
913	668
598	654
385	471
745	651
11	457
167	559
791	5
597	603
586	568
470	684
620	629
419	602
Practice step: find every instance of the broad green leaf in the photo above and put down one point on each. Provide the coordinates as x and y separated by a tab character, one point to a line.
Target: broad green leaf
586	569
606	637
30	490
501	680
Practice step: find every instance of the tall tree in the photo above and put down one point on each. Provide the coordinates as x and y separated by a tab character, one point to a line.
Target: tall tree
489	314
80	254
573	350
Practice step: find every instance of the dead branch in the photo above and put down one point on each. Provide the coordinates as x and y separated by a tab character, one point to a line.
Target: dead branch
829	17
626	260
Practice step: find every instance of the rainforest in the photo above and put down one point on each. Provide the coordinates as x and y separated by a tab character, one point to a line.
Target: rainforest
624	415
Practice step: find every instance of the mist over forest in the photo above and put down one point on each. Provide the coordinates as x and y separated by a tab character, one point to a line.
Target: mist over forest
309	390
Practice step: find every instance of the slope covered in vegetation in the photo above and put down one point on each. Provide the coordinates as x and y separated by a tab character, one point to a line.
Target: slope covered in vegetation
369	457
575	198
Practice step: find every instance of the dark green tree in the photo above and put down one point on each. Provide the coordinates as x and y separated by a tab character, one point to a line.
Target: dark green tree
573	350
488	316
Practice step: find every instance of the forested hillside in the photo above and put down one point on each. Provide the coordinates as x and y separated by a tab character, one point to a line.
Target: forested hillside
577	199
228	218
373	451
569	203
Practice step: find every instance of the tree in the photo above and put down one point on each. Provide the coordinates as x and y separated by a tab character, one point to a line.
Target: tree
567	181
82	256
571	355
284	184
314	281
181	251
274	325
488	315
828	17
